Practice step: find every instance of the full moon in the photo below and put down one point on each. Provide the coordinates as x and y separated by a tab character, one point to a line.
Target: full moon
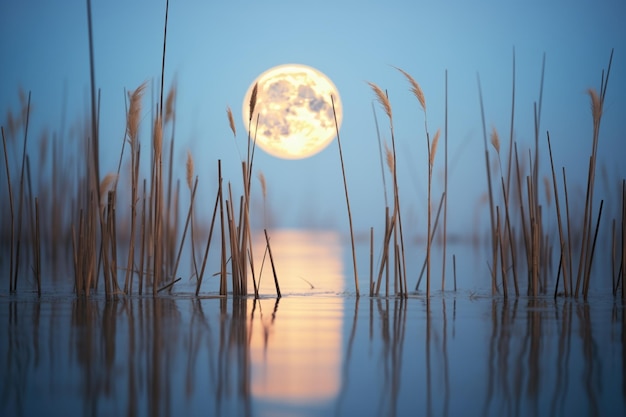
295	112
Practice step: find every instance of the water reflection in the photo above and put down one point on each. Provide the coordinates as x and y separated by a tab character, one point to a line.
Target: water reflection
307	262
311	355
295	343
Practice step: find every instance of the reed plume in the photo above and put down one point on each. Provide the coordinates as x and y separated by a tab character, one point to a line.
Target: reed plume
390	158
231	120
596	105
433	147
253	99
169	104
382	99
495	140
105	184
415	88
134	114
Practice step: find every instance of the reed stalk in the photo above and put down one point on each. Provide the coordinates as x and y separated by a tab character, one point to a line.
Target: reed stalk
208	243
223	285
13	287
510	162
593	247
269	251
445	186
563	250
345	187
525	229
189	172
385	256
371	261
489	187
11	205
142	273
431	151
187	222
37	248
623	260
432	236
132	136
454	270
505	289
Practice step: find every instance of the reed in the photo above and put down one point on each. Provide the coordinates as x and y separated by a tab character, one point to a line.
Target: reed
20	211
208	243
494	241
269	251
345	187
445	186
132	136
393	224
187	222
505	240
623	229
189	176
11	205
563	260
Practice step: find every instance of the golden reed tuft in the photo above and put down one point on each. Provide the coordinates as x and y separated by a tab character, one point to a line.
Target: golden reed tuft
231	120
382	99
596	105
390	159
253	99
134	113
433	147
495	139
105	184
263	184
415	88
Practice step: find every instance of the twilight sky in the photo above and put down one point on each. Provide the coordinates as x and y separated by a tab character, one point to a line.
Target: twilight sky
216	49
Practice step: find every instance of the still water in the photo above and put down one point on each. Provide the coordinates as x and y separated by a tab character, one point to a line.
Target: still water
317	351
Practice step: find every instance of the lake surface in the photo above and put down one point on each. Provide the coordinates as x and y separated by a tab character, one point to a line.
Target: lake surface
317	351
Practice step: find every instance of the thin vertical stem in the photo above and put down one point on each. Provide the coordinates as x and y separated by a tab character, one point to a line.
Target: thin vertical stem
269	251
345	186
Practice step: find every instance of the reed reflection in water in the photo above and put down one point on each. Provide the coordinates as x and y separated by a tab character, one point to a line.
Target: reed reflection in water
314	352
221	357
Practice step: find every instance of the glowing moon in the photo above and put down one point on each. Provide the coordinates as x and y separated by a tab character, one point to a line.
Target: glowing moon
294	110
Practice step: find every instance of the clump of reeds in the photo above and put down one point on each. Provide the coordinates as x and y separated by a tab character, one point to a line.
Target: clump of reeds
391	222
431	152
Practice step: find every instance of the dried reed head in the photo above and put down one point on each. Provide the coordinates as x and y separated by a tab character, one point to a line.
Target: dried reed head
263	183
134	113
231	120
105	184
390	158
253	99
433	147
382	99
169	104
189	169
495	139
415	88
596	105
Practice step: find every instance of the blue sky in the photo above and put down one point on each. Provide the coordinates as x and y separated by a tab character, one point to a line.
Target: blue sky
216	49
